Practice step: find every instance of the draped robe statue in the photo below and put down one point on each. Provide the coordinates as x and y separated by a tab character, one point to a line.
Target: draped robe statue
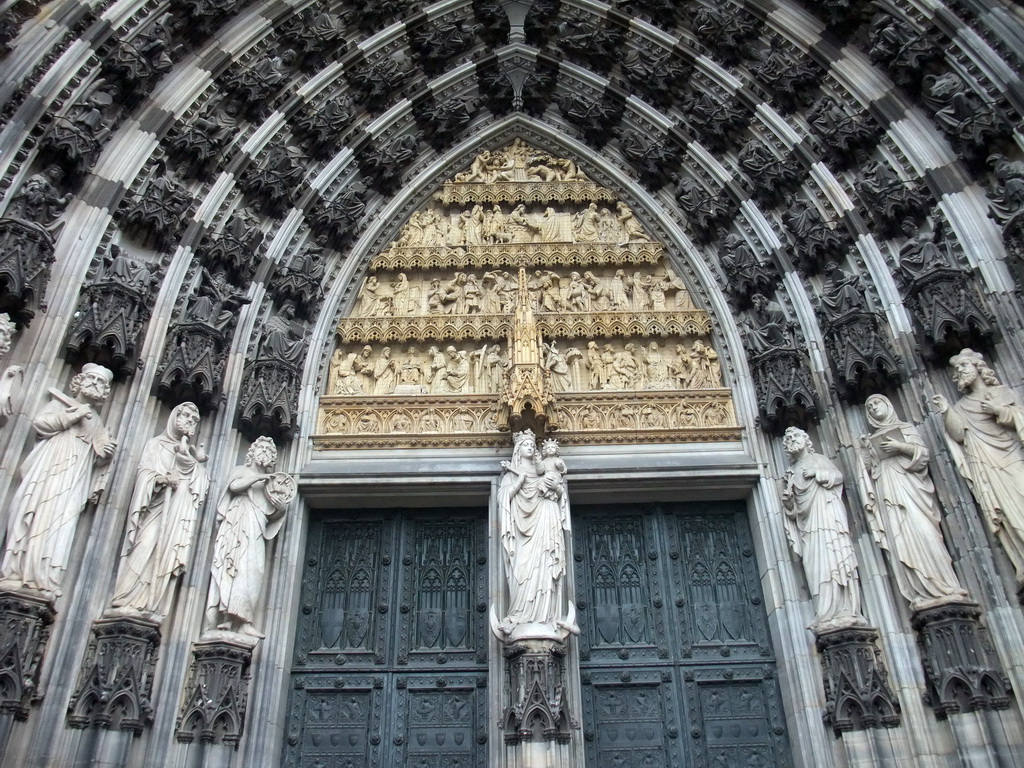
985	431
533	505
819	534
58	479
902	509
170	487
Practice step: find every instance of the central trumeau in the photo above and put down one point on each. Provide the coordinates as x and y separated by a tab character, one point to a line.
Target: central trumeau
524	295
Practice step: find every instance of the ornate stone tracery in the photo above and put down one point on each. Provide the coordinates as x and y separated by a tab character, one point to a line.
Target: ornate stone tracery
523	286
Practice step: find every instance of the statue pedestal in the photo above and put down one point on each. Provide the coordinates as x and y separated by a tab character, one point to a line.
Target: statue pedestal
537	709
25	619
960	664
217	689
116	682
857	692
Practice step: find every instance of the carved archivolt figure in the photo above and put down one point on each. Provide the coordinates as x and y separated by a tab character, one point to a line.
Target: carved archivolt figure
533	505
985	428
58	479
902	509
250	513
819	533
170	486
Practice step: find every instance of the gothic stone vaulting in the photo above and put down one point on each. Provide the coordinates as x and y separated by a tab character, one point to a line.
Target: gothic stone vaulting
705	245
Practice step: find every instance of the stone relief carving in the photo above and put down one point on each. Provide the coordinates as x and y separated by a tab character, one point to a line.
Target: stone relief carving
727	33
193	360
60	476
250	513
440	44
902	509
159	207
235	249
655	74
338	219
196	146
906	51
523	291
972	123
861	357
1006	203
299	280
216	693
253	87
375	82
25	621
170	487
273	181
745	274
7	331
785	394
983	429
318	126
652	158
819	533
788	76
597	119
383	163
112	311
842	134
593	43
137	64
312	34
74	139
857	691
442	122
770	176
890	199
705	212
814	241
717	118
941	295
28	230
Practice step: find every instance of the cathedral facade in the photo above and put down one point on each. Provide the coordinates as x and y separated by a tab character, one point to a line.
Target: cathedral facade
511	384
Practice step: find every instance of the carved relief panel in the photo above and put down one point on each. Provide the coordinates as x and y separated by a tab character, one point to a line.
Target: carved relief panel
523	276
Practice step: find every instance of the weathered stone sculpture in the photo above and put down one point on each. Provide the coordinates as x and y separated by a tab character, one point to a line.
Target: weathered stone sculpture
375	82
653	158
726	32
596	119
159	208
716	118
57	480
972	123
112	311
705	212
441	122
170	487
890	199
236	250
75	138
770	176
905	50
841	133
250	513
383	164
746	275
27	232
814	241
819	534
273	182
7	331
656	74
984	429
902	508
440	44
788	75
318	126
267	405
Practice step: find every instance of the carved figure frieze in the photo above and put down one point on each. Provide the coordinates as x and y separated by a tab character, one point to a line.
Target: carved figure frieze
982	435
112	311
972	123
495	314
61	475
28	230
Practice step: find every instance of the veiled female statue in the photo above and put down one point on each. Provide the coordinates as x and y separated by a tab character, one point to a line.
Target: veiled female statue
533	505
902	509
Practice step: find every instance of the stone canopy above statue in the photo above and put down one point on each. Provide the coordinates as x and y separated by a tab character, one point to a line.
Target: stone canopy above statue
524	295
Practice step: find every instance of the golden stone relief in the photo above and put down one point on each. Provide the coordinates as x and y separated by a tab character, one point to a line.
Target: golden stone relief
526	296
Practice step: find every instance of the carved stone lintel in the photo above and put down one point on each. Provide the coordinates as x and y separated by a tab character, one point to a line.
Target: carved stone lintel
116	681
960	664
25	620
216	690
537	709
857	691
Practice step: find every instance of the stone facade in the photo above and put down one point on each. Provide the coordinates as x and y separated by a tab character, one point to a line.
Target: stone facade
225	204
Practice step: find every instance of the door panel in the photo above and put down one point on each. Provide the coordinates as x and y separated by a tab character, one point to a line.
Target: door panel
675	657
389	602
